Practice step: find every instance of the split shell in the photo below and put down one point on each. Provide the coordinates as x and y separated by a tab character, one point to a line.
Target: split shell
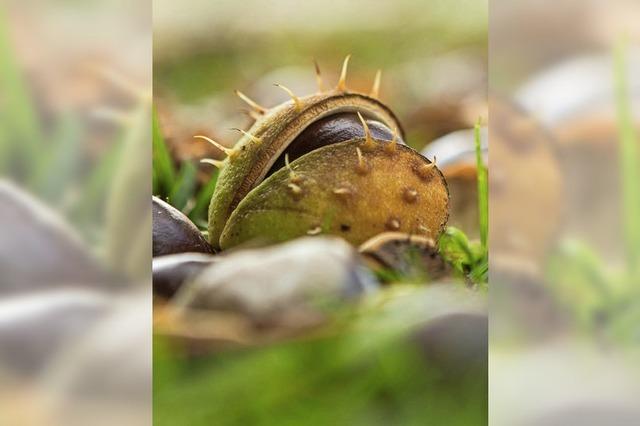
278	128
345	190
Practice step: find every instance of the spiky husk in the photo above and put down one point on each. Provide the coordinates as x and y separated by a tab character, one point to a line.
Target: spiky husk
333	190
277	128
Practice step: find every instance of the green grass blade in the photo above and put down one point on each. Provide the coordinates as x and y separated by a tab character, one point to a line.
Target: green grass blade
57	171
5	148
455	248
480	272
629	160
483	190
199	213
96	186
164	174
184	187
19	116
128	207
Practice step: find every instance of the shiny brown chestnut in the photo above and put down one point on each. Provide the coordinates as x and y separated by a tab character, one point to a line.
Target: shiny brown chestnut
330	130
173	232
170	272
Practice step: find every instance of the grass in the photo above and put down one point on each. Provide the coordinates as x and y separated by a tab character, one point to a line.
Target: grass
164	174
19	120
51	159
471	258
629	160
179	186
313	383
483	191
363	370
604	299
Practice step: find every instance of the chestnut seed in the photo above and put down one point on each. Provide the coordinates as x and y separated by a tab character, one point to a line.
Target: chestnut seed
330	130
173	232
170	272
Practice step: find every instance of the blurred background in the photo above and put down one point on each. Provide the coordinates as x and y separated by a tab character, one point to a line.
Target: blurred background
75	221
565	212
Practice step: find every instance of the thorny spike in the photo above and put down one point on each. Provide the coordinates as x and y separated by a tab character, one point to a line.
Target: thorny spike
343	192
249	135
410	195
295	190
318	77
361	168
314	231
253	104
375	89
342	83
393	224
368	144
296	100
393	145
293	176
215	163
230	152
425	170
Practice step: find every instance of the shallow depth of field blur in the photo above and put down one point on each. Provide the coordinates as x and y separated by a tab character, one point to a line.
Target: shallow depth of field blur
369	364
75	222
565	212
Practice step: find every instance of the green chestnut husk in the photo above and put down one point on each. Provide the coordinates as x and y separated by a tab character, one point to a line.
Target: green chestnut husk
350	174
354	189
